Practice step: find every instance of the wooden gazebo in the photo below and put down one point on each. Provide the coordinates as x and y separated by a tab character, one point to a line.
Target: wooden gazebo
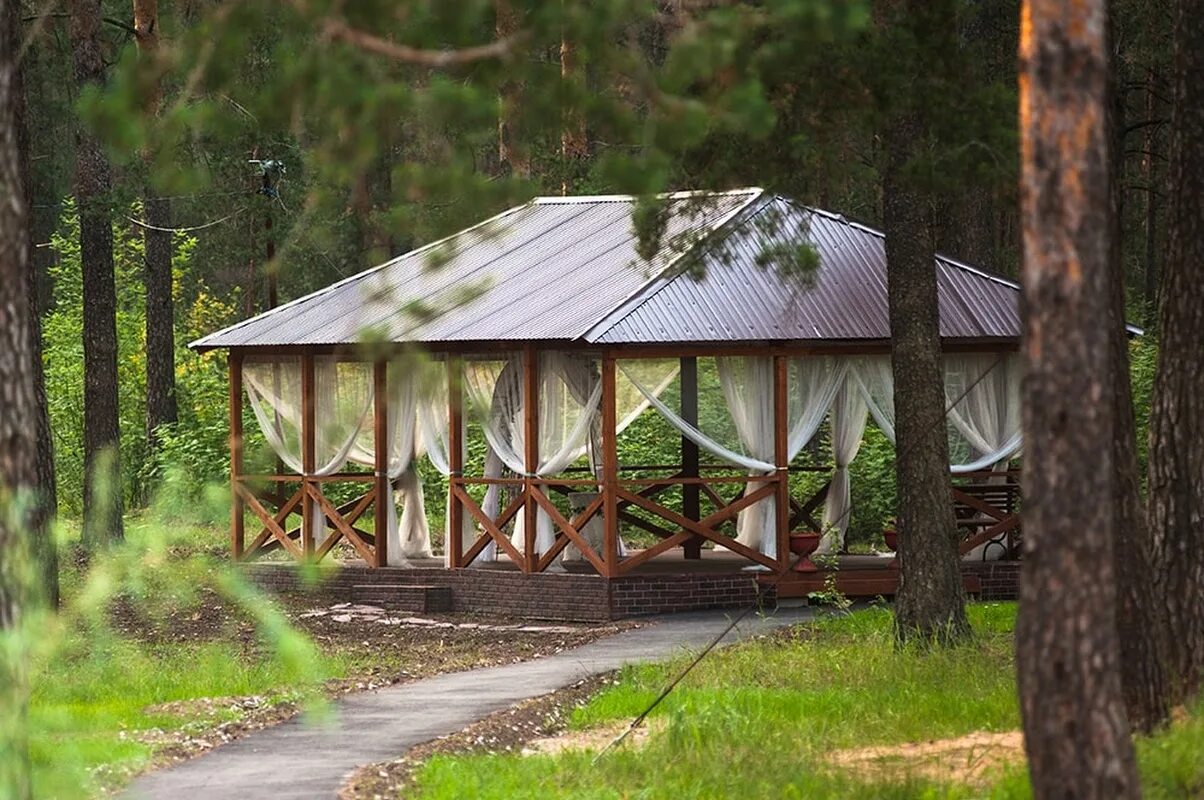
553	294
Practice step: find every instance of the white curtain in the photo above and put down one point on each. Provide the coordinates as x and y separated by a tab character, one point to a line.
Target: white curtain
342	409
847	419
433	422
747	385
986	420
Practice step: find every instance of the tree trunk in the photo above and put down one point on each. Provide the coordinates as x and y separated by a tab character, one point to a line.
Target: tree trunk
574	143
1142	649
1149	172
19	482
160	313
44	550
930	605
1176	473
510	150
93	182
1067	653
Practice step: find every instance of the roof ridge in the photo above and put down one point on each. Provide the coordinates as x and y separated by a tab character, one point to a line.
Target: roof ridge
752	191
661	279
200	343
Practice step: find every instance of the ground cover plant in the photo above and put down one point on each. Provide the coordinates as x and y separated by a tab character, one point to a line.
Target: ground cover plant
779	716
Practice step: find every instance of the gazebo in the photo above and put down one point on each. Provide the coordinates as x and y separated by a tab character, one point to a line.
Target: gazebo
553	301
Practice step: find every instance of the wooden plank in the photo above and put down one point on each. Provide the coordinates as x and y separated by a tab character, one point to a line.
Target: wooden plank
237	508
531	384
987	534
691	505
649	553
341	526
455	460
552	511
308	433
610	469
383	487
781	461
269	522
280	516
490	527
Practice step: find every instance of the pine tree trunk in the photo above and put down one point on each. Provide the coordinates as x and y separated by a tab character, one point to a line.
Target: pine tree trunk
1067	653
510	149
19	482
1176	472
930	605
93	183
160	312
47	501
1142	645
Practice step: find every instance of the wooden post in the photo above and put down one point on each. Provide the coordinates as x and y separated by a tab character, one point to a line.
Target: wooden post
309	424
237	509
384	488
531	455
455	461
610	469
781	458
690	493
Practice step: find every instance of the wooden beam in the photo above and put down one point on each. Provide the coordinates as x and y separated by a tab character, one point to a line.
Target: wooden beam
309	424
781	459
691	500
531	384
384	487
237	508
610	470
455	461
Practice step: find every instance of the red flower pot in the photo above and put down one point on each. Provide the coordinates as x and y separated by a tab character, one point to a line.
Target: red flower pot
892	539
804	544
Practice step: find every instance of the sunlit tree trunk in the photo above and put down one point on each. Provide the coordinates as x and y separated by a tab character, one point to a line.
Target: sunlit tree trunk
1176	473
93	184
511	152
1075	726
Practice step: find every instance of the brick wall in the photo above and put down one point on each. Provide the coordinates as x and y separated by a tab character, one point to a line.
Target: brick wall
1000	579
550	596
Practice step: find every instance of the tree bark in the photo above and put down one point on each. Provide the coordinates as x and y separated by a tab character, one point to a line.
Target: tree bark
1075	726
930	605
161	405
44	550
1142	646
511	152
93	184
19	483
1176	472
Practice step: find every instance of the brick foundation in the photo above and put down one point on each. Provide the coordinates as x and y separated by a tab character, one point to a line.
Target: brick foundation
1000	579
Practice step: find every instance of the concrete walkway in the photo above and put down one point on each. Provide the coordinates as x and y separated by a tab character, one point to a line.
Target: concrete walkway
296	760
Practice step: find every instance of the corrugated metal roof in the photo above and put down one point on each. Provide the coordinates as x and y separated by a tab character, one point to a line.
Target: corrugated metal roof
567	269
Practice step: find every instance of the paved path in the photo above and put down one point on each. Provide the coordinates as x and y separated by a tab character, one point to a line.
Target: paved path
297	760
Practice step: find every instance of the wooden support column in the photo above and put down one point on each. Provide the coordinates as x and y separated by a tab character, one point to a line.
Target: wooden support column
531	454
237	507
380	438
781	459
610	470
455	461
309	426
691	492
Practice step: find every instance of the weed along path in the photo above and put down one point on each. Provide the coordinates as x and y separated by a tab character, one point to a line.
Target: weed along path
297	759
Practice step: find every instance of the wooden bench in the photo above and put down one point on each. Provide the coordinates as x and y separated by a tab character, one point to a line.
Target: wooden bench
986	507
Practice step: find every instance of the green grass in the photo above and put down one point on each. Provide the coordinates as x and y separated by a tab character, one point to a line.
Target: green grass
756	721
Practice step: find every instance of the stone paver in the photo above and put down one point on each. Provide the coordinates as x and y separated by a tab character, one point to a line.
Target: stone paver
297	759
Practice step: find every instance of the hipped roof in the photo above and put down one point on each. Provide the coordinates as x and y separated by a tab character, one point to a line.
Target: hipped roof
566	269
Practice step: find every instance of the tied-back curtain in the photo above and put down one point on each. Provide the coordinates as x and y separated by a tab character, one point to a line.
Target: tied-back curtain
847	419
342	409
570	393
433	426
982	394
747	386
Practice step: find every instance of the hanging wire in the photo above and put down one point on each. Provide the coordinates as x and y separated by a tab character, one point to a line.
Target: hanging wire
150	227
774	580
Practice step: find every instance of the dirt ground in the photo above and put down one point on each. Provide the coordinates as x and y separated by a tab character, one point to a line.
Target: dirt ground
969	759
508	730
383	648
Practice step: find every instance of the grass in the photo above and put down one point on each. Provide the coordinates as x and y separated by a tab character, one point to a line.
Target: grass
756	720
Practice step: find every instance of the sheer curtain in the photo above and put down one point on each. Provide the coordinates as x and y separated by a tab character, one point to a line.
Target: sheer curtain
747	385
848	418
342	409
433	422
